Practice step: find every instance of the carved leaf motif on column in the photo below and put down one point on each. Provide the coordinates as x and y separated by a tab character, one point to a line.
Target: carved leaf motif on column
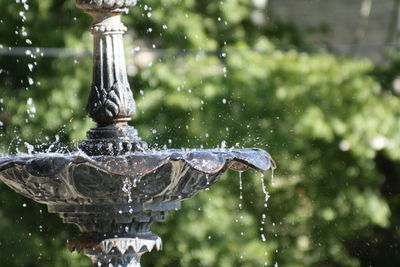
106	106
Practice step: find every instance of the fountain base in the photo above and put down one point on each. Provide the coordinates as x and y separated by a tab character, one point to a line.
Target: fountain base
128	260
115	235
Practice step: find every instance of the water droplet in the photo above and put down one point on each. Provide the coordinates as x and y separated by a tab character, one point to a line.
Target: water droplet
263	238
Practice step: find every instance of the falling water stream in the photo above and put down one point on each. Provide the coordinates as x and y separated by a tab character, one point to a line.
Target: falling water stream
240	189
264	189
263	216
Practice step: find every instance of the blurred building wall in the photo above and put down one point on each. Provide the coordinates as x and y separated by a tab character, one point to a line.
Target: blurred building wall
360	28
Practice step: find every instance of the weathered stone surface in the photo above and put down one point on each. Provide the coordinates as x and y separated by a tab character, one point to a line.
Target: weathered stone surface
141	177
105	4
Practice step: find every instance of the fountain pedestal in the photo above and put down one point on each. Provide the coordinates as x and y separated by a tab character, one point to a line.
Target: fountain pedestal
119	251
111	104
114	233
125	260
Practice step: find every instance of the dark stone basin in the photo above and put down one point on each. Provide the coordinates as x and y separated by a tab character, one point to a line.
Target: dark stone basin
115	199
141	177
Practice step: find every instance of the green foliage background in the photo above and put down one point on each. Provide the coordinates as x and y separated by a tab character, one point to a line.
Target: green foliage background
331	124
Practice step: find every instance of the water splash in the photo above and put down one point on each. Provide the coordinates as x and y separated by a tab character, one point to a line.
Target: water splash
53	144
29	147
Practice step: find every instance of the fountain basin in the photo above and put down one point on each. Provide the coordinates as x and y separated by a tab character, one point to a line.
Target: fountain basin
115	199
134	178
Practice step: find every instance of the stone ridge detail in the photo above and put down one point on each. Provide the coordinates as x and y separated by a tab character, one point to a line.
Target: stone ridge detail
108	28
123	244
105	4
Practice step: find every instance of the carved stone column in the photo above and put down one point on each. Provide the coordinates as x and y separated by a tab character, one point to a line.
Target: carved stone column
110	103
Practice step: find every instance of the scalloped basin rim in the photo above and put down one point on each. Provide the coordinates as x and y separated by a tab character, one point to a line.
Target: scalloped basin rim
209	161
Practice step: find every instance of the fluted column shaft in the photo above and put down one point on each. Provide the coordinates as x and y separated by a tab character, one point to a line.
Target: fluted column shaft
110	103
110	100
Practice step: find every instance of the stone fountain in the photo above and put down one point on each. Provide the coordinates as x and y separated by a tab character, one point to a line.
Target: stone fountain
114	188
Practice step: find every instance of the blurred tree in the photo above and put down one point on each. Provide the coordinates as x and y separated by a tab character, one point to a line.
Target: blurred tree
219	80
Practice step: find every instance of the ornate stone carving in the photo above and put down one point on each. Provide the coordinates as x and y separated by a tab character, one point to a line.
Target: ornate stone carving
108	5
111	104
122	251
110	100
